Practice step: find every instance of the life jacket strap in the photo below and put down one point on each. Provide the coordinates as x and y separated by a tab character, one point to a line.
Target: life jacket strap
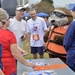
54	53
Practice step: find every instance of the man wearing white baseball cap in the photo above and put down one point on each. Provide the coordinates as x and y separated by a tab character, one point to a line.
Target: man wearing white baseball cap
20	8
18	26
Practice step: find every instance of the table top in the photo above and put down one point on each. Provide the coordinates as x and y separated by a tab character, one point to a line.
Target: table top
60	71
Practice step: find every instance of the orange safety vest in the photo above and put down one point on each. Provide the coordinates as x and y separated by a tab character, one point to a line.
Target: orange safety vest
54	48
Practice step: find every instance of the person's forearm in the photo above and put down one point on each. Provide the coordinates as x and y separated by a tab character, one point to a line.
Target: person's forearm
28	37
17	55
1	73
19	48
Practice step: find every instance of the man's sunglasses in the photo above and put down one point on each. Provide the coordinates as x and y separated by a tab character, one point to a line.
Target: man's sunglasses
61	15
2	22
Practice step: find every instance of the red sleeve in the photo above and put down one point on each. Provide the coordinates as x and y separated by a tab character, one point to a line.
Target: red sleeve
12	39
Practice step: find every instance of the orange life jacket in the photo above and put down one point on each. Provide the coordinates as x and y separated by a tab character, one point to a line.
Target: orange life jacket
54	48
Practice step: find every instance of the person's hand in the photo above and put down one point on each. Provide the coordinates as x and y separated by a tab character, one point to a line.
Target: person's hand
27	46
23	37
30	64
23	52
45	44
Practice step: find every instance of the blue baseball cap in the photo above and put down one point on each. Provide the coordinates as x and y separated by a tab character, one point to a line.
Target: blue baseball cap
73	8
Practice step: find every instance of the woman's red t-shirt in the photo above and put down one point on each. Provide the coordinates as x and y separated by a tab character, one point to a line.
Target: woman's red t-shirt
9	63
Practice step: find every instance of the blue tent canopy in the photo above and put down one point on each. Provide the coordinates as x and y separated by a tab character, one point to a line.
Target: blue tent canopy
42	14
70	6
26	14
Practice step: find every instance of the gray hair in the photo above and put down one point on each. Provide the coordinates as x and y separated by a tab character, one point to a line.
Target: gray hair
32	9
3	14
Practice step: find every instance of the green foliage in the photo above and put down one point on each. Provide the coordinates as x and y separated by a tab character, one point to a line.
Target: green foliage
50	1
44	7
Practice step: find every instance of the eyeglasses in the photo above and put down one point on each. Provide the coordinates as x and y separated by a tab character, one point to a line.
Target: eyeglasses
2	22
61	15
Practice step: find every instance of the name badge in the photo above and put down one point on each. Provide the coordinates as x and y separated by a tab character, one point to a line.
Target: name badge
35	37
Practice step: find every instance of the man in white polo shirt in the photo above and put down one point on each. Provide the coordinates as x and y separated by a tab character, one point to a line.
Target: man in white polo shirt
18	25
